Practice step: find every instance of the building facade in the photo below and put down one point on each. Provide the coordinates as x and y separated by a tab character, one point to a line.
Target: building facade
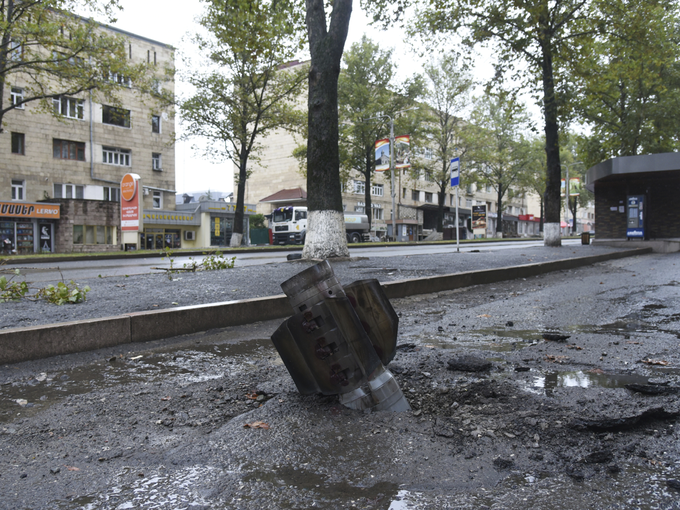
70	164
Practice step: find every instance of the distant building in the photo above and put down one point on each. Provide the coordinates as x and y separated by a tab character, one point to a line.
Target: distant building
60	178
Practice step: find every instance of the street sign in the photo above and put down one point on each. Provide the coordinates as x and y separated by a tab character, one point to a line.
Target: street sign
455	172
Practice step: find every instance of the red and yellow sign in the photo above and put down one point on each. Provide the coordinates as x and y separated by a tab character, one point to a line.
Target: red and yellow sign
26	210
130	203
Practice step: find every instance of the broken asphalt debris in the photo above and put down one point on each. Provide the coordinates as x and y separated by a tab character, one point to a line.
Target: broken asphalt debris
469	364
555	337
340	340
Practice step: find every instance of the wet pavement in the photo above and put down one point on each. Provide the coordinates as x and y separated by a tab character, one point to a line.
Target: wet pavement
551	425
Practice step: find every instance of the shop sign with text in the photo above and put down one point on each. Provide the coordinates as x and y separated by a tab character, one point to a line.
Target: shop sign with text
24	210
130	203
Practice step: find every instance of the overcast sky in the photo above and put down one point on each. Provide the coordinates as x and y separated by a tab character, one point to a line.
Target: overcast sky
169	21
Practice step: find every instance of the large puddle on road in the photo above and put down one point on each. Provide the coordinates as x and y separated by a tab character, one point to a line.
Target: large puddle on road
188	365
642	486
548	382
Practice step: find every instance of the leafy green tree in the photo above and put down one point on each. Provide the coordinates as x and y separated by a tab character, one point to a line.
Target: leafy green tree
447	95
496	145
325	224
246	93
366	95
628	80
46	51
530	34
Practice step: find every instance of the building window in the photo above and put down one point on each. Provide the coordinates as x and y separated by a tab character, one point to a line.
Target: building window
17	189
65	149
427	176
69	107
359	187
403	192
415	195
119	79
115	116
377	190
155	123
157	200
115	156
16	97
16	51
377	211
156	162
93	234
111	194
68	191
426	153
18	143
428	197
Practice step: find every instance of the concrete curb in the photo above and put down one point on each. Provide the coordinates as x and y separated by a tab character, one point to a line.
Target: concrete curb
24	344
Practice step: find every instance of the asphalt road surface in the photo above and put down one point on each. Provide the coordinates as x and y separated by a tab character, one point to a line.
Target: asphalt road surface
84	269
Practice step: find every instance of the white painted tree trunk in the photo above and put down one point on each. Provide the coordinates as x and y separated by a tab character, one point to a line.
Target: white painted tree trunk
325	236
235	241
551	235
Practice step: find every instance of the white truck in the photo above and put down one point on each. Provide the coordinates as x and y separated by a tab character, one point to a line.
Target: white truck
289	226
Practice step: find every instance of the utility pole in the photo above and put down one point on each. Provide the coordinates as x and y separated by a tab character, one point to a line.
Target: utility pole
392	164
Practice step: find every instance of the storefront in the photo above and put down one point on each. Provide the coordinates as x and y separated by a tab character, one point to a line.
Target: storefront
27	227
169	229
161	238
215	219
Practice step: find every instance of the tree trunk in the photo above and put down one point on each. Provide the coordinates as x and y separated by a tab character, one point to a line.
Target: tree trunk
441	196
367	191
5	44
325	227
551	235
574	208
499	216
237	230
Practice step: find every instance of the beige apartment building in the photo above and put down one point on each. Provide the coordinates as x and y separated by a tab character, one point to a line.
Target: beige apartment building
277	181
60	177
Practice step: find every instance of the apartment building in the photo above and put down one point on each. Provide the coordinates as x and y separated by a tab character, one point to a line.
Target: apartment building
60	174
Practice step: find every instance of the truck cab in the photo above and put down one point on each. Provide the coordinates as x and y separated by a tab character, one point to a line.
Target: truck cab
289	225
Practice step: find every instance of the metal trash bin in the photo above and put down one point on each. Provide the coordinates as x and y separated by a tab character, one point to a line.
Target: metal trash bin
585	237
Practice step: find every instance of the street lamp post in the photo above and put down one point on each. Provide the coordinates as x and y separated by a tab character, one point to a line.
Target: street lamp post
394	194
566	195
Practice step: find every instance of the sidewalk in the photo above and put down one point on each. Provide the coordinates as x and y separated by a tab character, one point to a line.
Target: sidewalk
145	307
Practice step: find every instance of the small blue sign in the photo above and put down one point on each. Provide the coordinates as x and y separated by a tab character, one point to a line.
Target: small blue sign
455	172
635	232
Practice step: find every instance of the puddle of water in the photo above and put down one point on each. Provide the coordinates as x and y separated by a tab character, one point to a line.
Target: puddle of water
177	489
550	381
381	493
196	364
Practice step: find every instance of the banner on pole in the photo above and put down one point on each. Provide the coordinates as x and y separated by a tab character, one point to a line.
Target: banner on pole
402	151
382	155
455	172
574	187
